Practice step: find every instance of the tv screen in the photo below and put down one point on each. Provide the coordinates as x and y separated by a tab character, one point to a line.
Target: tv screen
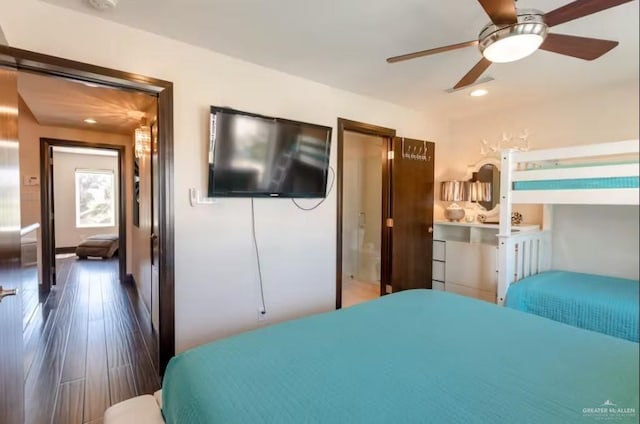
253	155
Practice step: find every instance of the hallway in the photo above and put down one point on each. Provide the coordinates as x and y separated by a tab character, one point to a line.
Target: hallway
89	345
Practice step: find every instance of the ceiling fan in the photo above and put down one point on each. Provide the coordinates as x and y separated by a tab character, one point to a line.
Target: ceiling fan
514	34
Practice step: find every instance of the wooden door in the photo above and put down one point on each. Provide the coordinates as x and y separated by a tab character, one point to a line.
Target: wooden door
11	368
50	241
48	218
155	230
412	198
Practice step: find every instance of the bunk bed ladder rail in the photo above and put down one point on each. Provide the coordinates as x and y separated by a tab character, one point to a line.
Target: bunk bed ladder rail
527	256
521	255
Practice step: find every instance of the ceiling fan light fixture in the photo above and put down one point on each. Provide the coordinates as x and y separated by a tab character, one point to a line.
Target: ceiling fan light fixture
510	49
501	44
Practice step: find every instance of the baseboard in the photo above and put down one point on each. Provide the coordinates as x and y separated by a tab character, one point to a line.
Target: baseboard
130	279
62	250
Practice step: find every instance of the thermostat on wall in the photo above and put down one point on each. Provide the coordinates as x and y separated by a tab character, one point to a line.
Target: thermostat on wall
31	180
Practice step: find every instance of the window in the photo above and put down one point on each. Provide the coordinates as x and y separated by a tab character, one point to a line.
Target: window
95	199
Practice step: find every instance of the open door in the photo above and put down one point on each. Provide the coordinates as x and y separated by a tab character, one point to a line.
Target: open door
11	361
154	239
411	220
48	213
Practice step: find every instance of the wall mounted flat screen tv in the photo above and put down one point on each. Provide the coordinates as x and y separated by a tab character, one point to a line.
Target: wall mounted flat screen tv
252	155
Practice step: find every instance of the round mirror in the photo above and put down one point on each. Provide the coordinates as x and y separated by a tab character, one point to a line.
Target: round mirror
486	194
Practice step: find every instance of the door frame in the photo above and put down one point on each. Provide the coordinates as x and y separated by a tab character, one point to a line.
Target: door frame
387	134
78	71
46	199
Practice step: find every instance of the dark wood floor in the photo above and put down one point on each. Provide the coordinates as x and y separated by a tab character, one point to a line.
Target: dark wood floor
87	346
30	294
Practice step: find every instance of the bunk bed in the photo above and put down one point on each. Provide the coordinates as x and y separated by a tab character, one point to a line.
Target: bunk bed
597	174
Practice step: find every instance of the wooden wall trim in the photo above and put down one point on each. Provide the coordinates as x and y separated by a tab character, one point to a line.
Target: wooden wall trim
79	71
166	264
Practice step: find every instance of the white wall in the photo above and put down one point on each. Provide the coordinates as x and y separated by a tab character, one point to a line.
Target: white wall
596	239
64	195
140	235
601	115
602	240
216	275
362	194
372	194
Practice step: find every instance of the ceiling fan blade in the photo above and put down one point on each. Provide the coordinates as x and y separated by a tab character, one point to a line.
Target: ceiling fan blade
501	12
473	74
431	51
578	9
580	47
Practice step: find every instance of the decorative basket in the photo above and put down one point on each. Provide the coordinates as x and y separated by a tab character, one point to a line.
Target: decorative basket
516	218
454	214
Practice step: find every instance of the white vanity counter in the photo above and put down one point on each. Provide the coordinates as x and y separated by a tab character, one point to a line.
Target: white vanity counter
465	258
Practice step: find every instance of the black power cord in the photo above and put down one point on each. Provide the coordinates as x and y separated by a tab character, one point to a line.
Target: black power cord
263	309
333	180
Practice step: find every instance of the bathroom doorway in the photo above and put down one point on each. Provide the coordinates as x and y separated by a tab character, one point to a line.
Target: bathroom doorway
384	228
362	183
363	265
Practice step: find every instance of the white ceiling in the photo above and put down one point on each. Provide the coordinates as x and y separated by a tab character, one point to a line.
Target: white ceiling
345	43
58	102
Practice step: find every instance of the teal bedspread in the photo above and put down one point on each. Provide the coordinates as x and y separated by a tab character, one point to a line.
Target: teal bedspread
604	304
417	356
578	184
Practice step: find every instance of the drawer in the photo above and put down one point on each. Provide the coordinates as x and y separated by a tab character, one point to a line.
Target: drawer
439	250
472	265
437	271
437	285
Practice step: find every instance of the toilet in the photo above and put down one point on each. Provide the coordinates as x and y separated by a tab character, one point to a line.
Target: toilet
369	263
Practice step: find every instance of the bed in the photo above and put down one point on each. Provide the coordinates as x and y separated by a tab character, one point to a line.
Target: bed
414	356
596	174
593	302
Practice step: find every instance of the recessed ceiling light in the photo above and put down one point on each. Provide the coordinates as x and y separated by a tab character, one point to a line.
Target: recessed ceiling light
90	121
479	92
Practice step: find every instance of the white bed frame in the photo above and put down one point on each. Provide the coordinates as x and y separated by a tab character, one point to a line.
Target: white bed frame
145	409
523	254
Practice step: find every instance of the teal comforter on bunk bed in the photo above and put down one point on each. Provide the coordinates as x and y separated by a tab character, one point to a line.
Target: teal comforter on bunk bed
604	304
580	183
418	356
